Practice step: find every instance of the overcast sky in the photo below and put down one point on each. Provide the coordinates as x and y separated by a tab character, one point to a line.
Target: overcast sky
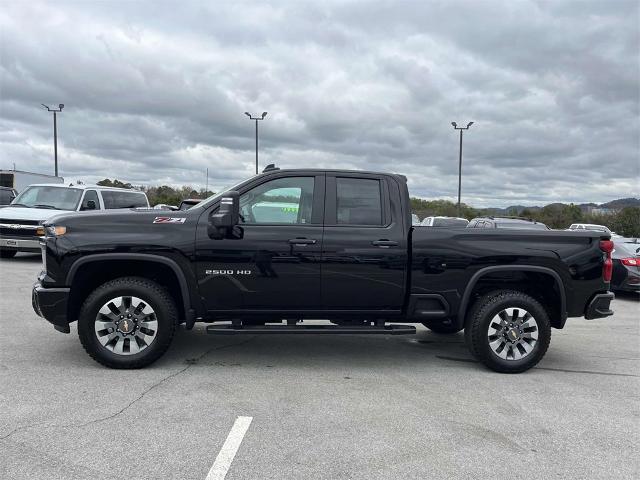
154	92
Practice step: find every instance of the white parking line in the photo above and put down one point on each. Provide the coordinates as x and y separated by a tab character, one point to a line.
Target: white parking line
223	461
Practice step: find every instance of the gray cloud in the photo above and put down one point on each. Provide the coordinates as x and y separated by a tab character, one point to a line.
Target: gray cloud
155	92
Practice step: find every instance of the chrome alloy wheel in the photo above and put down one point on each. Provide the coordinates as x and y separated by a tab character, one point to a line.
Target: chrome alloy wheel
126	325
513	333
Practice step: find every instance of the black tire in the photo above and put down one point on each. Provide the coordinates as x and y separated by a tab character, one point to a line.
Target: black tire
150	292
480	318
442	327
7	253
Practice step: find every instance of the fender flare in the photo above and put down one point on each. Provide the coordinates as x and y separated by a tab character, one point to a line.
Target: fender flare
512	268
189	313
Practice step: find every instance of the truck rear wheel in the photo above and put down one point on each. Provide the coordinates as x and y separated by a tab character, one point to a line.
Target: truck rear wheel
127	323
442	328
508	331
4	253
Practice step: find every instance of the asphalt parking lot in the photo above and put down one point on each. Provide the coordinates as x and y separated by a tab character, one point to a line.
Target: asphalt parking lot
322	407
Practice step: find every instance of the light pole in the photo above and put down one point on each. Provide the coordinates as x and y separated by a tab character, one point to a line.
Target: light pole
55	132
264	114
456	127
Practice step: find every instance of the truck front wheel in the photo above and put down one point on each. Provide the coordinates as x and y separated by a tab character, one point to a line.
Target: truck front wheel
508	331
127	322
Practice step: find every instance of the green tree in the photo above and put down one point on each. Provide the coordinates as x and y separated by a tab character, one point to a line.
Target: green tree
425	208
559	215
626	222
114	183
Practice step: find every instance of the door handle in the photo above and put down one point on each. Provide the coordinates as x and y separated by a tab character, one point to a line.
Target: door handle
384	243
302	241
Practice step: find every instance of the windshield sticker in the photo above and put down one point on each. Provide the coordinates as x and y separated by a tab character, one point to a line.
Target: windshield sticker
169	220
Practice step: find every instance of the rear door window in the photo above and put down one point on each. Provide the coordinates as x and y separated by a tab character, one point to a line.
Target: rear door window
359	201
114	199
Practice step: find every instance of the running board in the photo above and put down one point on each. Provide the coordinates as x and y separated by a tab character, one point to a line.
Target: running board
309	329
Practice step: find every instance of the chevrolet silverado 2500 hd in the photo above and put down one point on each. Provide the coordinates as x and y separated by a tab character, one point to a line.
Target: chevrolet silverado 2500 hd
290	245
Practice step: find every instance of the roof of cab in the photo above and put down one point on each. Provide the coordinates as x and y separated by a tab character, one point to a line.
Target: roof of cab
84	187
332	171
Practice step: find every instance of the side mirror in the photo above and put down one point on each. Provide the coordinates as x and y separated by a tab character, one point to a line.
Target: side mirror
222	222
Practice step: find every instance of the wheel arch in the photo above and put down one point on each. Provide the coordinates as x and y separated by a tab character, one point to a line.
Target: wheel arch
87	273
558	315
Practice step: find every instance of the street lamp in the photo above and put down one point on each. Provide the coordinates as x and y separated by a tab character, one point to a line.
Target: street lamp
55	132
456	127
264	114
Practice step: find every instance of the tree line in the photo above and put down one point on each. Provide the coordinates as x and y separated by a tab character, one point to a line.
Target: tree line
161	194
625	221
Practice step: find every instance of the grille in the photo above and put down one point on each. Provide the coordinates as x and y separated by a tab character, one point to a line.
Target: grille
17	232
30	234
13	221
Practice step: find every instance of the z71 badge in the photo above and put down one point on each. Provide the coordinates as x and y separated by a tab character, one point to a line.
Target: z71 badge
169	220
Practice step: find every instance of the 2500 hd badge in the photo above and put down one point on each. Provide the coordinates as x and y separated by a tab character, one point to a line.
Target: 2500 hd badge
329	245
227	272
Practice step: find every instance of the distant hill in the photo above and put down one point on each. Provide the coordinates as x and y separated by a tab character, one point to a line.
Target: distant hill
585	207
622	203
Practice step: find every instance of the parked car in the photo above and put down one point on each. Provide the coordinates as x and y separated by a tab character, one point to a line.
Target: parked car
187	203
339	247
626	265
165	206
20	222
507	222
7	194
444	222
415	220
589	226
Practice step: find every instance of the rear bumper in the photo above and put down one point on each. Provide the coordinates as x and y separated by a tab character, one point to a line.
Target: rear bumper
20	244
51	304
599	306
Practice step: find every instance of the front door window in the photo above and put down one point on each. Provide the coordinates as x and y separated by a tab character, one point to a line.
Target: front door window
280	201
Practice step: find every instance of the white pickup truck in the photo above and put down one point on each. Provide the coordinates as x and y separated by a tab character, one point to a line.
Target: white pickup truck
21	221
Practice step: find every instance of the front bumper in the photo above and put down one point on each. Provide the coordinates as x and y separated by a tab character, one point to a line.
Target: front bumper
51	304
20	244
599	306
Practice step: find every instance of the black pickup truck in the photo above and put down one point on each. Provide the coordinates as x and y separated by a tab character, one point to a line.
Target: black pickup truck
287	246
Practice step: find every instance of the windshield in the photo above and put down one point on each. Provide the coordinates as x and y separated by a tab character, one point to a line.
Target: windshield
59	198
522	225
450	222
215	196
596	228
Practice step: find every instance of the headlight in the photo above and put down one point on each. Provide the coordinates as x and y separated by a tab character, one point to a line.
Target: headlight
51	230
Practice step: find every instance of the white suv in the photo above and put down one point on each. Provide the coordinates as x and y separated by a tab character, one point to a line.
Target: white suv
444	222
20	220
589	226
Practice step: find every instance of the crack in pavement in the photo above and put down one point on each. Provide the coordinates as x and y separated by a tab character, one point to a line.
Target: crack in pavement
190	362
